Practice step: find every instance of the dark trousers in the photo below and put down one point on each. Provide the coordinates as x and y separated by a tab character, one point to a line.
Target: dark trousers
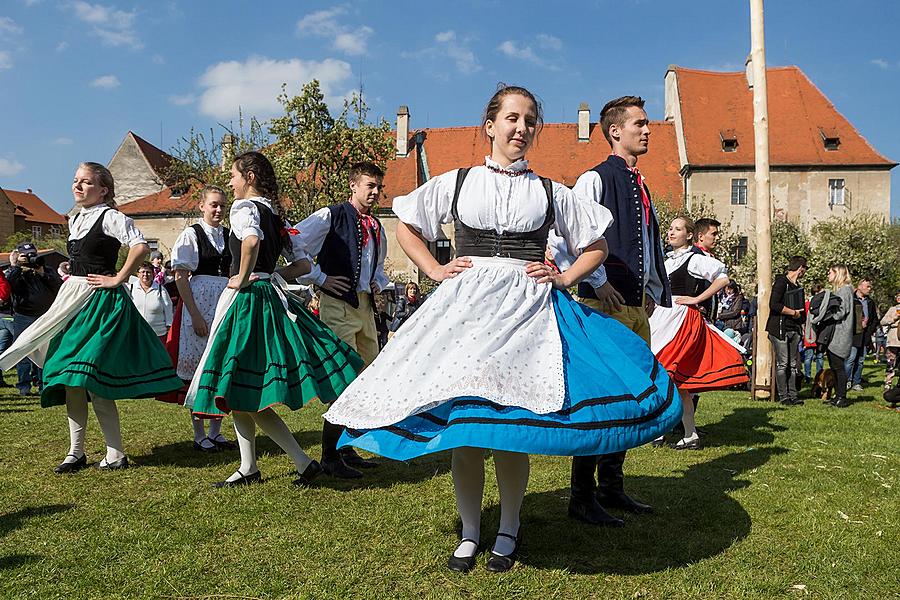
610	476
839	368
787	365
28	372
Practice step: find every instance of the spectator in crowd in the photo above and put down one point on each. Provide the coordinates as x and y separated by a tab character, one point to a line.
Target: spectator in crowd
785	326
866	322
33	291
733	309
891	320
63	270
382	319
840	321
6	320
156	262
406	305
152	301
314	304
811	351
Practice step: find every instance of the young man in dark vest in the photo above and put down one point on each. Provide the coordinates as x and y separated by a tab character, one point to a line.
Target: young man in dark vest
627	286
349	244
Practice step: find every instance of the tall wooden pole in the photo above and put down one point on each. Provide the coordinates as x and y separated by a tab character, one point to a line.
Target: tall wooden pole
762	349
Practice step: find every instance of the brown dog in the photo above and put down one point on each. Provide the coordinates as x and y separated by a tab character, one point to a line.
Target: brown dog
823	385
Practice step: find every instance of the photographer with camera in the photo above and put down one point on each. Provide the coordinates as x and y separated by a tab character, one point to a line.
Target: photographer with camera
33	291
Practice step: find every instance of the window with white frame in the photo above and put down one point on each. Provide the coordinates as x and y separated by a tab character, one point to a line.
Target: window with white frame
55	230
36	231
739	191
836	192
154	244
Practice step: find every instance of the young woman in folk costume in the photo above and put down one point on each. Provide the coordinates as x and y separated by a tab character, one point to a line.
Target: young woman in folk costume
93	344
265	348
697	355
202	263
500	357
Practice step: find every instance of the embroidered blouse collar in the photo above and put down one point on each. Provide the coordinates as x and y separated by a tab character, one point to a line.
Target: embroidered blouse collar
516	168
92	209
207	227
677	253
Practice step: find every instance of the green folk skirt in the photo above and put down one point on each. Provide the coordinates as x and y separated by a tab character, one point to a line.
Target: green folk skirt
110	350
259	356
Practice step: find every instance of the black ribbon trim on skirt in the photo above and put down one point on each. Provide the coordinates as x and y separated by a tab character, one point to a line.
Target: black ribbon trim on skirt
683	376
106	383
304	362
546	424
297	383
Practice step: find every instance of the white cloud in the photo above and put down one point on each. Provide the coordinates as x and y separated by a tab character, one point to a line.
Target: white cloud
324	23
549	42
62	46
881	63
526	53
9	26
183	99
114	27
62	141
10	167
5	60
158	59
30	3
254	85
448	46
106	81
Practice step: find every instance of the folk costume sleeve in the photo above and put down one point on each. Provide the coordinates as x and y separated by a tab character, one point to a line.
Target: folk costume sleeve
427	207
589	187
117	225
707	267
311	233
186	251
244	220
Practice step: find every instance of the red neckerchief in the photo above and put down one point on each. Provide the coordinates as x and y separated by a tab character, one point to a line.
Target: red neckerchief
645	199
368	223
703	250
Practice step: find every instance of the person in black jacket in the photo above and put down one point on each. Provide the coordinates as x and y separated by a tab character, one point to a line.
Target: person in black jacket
862	337
33	291
787	308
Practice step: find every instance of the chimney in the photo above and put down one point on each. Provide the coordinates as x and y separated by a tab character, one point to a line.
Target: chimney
227	151
748	65
584	123
29	191
402	131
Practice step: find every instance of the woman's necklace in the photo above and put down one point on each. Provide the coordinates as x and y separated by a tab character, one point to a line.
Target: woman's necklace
509	172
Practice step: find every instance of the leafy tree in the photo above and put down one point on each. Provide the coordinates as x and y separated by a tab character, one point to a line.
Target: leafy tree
57	242
787	240
314	150
667	211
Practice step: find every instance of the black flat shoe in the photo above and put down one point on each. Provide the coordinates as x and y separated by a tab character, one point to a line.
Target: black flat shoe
352	459
842	403
243	480
592	513
71	467
464	564
199	447
336	467
694	444
658	442
498	563
312	470
623	501
223	444
116	465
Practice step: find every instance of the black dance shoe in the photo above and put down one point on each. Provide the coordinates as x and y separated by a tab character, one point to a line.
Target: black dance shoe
71	467
242	480
499	563
352	459
590	512
223	444
464	564
116	465
659	442
623	501
693	444
336	467
312	470
199	447
840	403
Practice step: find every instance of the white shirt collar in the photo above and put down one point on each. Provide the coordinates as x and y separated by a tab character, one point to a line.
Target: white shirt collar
519	165
265	201
677	253
209	229
94	208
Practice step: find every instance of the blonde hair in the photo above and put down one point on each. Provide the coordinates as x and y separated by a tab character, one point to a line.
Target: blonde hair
106	180
211	189
841	276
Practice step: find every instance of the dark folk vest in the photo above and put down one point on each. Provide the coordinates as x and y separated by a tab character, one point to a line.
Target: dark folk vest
524	245
710	305
685	284
270	247
96	253
212	262
625	264
341	253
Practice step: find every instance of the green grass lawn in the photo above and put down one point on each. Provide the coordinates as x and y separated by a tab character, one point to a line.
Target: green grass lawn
801	502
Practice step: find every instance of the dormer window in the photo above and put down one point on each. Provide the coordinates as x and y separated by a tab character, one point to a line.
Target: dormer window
830	138
729	140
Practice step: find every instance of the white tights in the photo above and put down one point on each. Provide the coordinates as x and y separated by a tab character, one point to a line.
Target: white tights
687	414
512	470
107	416
245	428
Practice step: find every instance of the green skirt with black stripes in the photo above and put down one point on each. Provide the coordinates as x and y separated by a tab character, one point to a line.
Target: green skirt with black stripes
110	350
259	357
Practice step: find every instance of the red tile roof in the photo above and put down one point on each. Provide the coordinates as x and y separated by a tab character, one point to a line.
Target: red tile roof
712	103
159	160
557	154
33	209
162	203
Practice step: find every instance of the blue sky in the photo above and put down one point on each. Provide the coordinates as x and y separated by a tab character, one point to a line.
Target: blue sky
76	75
